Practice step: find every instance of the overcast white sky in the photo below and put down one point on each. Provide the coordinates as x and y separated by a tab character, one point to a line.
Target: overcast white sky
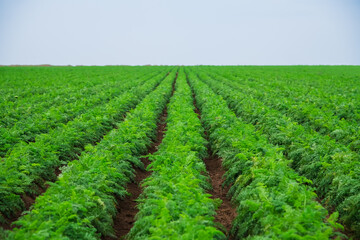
236	32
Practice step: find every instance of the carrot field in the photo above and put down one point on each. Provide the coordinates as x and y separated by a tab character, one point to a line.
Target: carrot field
180	152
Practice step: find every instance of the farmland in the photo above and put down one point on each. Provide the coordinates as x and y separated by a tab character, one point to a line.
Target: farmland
170	152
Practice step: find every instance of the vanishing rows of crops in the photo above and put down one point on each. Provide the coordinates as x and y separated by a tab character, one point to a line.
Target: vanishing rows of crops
72	138
332	165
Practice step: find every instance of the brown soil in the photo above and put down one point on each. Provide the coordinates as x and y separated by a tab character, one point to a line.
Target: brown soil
347	232
226	213
39	189
126	208
196	110
28	201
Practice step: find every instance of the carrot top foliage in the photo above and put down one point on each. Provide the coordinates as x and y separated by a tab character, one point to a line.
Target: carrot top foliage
288	138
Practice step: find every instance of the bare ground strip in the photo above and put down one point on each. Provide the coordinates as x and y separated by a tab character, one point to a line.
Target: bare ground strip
226	213
40	188
126	208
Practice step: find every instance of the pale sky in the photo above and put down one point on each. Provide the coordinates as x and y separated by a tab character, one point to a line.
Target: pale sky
137	32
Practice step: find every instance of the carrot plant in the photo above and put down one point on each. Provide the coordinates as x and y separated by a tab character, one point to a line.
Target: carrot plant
81	204
174	204
31	164
333	168
302	109
273	202
26	129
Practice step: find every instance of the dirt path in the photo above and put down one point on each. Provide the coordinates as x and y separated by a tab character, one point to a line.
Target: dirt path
126	208
226	213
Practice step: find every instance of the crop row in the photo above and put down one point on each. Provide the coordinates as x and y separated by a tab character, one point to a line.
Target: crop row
174	204
333	168
26	89
292	166
301	109
81	204
27	129
22	84
273	202
24	107
333	88
29	165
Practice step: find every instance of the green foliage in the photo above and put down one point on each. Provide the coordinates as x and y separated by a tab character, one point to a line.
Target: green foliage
27	116
332	167
81	204
272	200
306	105
284	118
174	204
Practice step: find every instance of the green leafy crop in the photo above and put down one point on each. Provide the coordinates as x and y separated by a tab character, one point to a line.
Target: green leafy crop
272	201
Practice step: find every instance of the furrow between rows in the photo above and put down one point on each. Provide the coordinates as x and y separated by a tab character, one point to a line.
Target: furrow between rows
82	203
226	213
126	208
332	168
174	203
23	174
272	201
